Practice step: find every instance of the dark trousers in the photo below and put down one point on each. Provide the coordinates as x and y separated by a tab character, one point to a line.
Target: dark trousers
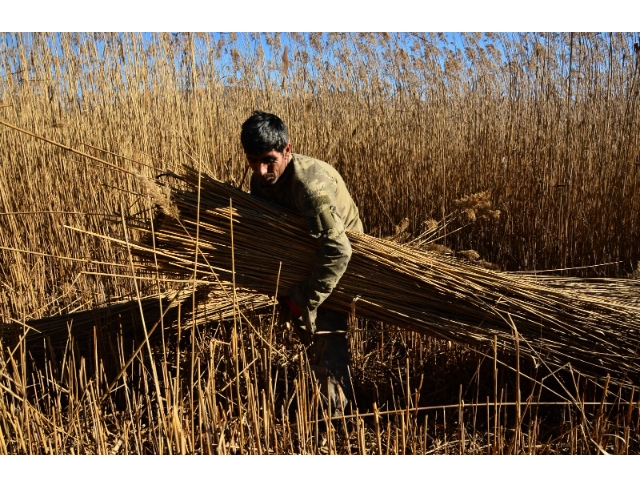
329	356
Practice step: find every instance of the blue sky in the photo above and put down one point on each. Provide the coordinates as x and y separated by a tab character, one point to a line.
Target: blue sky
224	63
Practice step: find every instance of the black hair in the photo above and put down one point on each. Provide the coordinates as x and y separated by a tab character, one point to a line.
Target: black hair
263	132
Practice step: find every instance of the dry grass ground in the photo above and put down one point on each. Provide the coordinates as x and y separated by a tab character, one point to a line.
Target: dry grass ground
547	124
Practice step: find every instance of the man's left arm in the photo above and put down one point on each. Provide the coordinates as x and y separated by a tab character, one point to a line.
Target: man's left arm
331	259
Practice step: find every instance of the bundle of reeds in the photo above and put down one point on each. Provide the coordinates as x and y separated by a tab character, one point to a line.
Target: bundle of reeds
267	249
130	318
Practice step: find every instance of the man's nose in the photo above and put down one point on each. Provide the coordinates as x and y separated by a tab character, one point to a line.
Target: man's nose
264	169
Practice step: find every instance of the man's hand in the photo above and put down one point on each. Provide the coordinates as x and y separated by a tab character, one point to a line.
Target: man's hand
293	309
305	321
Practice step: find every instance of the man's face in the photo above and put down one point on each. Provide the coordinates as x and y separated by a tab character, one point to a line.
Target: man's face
270	166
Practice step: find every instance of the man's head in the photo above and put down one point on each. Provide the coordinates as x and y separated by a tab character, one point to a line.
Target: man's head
266	144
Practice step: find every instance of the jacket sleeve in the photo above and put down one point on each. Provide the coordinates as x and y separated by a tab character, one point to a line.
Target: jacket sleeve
331	259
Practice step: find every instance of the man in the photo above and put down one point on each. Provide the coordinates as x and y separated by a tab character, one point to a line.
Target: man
315	190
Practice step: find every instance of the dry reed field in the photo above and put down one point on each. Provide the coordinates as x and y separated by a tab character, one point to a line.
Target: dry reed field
516	155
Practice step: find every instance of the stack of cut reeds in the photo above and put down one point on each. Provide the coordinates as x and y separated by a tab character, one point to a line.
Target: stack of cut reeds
265	248
131	317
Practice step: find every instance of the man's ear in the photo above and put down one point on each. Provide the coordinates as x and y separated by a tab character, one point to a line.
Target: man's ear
287	150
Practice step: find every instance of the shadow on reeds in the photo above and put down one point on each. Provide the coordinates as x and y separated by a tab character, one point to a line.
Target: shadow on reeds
112	333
